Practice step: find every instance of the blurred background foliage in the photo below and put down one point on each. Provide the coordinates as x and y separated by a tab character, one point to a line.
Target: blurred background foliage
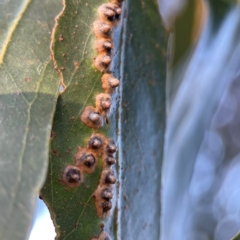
200	195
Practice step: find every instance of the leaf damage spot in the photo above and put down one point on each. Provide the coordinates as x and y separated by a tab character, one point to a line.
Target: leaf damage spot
86	160
72	176
109	82
103	236
61	38
92	118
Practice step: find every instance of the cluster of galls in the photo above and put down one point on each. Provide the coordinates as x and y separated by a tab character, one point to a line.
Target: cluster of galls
98	145
94	117
86	160
108	17
104	191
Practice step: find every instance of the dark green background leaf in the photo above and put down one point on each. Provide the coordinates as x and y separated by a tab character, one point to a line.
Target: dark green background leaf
142	120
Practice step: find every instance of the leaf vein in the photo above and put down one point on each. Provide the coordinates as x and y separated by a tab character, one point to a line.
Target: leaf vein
12	29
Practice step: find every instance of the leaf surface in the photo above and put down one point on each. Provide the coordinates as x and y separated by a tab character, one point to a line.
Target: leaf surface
142	120
73	210
28	91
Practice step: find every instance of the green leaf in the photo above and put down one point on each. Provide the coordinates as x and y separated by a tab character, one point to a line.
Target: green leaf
142	120
28	91
208	77
73	210
143	58
237	237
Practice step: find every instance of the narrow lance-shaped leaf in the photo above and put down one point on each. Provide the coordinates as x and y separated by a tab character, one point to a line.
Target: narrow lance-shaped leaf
28	91
73	48
142	120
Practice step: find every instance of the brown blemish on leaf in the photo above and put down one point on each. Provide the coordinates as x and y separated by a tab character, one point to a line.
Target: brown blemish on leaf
72	176
103	236
103	102
61	38
92	118
102	29
107	193
108	177
117	2
86	160
111	147
76	64
104	45
109	82
109	12
102	62
108	160
97	142
102	205
106	206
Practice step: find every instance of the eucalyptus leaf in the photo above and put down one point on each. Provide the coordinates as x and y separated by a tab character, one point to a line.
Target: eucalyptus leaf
73	210
142	120
28	91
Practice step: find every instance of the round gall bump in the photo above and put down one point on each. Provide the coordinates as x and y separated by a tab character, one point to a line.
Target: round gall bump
118	11
106	13
111	147
107	194
113	82
89	160
110	178
106	60
95	117
92	118
107	45
102	29
109	12
86	159
110	160
103	236
102	62
104	45
95	142
117	2
109	82
103	101
72	176
106	206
